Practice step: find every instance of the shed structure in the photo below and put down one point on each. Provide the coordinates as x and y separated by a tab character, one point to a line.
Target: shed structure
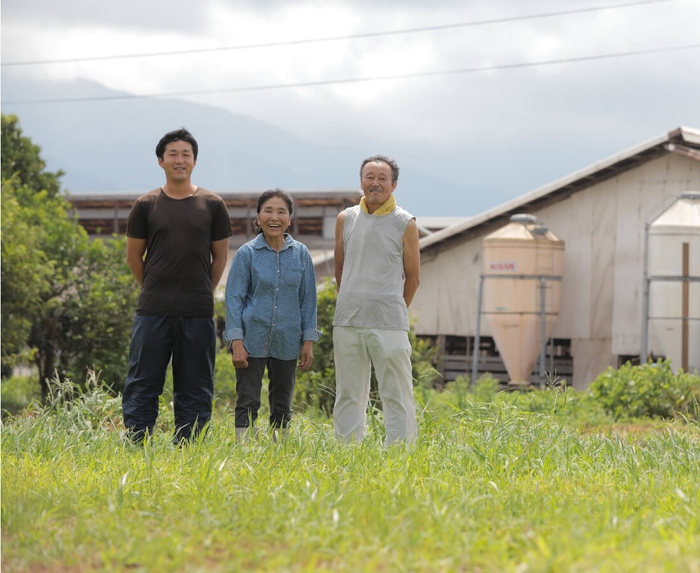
600	213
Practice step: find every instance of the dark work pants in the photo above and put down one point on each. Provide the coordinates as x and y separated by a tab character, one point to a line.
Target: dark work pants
191	342
282	376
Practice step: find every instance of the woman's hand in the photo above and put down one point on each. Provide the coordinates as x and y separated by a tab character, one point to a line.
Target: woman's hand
239	356
307	355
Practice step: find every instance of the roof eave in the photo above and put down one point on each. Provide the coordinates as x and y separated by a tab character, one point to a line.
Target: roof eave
569	184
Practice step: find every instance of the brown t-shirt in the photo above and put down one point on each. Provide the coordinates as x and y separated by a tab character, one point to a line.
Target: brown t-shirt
178	233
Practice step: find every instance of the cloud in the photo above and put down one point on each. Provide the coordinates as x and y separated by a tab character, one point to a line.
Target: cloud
182	16
465	125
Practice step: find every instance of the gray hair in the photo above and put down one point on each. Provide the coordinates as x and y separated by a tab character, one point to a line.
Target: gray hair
382	159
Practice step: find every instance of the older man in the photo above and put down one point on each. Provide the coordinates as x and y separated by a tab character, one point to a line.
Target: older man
377	268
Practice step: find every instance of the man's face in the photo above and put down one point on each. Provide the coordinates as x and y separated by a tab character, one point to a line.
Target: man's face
376	184
178	160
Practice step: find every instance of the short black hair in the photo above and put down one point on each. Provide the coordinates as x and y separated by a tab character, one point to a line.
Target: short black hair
178	135
382	159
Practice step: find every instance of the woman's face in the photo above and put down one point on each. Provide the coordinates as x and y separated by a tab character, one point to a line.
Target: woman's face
274	217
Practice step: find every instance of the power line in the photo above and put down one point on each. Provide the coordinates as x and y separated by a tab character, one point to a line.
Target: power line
335	38
361	80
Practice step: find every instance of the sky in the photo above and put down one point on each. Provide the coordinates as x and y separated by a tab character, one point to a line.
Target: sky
505	131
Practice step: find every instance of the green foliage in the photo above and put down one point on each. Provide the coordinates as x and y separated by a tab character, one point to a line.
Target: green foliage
325	310
423	355
224	378
99	299
17	393
25	269
315	387
650	390
562	402
487	487
21	160
67	301
81	408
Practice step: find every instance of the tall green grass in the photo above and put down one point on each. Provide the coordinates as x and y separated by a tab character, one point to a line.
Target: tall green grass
489	486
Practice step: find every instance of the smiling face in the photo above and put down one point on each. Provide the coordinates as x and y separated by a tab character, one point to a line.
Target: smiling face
274	219
376	184
178	161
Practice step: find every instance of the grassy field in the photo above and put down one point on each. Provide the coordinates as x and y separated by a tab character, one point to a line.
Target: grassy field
523	483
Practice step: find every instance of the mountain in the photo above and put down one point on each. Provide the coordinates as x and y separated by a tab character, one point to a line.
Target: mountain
110	146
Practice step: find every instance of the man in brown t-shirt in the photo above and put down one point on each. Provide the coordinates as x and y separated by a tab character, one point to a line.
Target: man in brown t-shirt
176	248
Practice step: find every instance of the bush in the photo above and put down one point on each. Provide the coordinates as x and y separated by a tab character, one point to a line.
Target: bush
79	408
17	393
316	386
224	378
650	390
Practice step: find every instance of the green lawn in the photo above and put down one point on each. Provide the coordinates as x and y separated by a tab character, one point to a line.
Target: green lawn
489	486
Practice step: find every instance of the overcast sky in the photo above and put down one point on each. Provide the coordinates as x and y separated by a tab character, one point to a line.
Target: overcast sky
512	129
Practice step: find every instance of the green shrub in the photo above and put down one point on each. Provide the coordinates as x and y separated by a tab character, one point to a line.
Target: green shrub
224	378
486	388
650	390
315	387
80	408
315	390
18	392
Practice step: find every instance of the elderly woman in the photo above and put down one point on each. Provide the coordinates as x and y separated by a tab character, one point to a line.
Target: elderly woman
270	313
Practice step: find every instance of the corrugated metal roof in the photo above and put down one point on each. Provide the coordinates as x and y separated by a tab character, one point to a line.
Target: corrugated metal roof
566	186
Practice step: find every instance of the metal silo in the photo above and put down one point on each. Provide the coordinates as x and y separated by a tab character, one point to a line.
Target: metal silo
671	319
519	293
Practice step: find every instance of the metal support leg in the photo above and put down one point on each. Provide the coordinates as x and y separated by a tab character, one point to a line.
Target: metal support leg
644	354
477	338
543	328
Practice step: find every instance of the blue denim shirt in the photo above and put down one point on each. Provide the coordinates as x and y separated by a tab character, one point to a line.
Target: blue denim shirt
271	299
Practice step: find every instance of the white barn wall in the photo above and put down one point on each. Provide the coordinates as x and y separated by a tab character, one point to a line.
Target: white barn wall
571	220
603	230
641	198
446	301
586	223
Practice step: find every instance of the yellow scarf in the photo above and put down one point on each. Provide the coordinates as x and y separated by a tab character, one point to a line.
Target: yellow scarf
388	206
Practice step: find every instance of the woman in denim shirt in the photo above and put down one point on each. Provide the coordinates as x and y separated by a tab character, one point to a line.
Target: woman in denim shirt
270	313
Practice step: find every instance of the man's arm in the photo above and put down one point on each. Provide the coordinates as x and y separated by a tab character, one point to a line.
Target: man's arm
339	250
219	254
135	249
411	261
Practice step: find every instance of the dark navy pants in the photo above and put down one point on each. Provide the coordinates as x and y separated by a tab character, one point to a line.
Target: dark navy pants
282	376
191	343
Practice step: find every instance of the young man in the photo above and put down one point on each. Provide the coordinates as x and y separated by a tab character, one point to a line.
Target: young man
183	232
377	268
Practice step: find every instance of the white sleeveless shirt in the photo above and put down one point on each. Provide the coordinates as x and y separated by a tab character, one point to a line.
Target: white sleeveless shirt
371	287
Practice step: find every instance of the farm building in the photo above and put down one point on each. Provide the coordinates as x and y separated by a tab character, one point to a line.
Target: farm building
104	214
601	213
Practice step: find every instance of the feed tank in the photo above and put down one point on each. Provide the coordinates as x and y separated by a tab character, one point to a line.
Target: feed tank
520	260
674	283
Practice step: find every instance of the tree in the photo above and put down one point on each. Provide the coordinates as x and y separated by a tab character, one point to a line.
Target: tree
25	272
67	301
22	159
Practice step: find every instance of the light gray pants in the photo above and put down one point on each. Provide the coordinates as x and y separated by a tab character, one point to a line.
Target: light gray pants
356	350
